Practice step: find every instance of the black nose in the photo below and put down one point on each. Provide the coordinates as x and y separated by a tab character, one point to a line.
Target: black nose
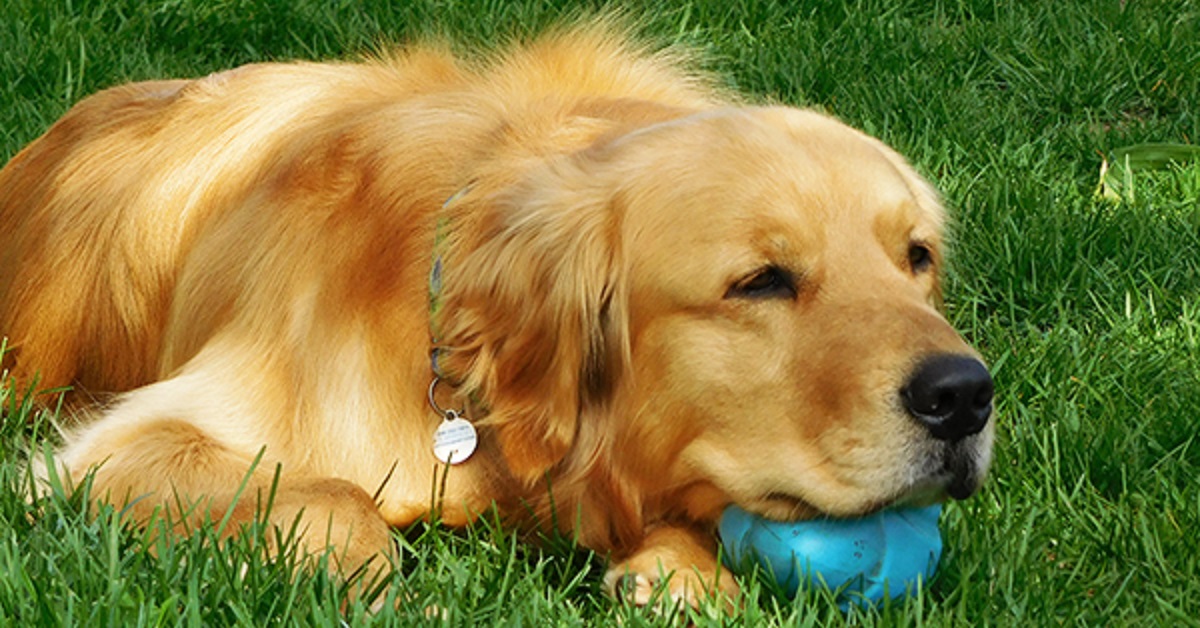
951	395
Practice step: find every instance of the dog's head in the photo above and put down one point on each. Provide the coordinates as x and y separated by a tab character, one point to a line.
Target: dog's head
735	306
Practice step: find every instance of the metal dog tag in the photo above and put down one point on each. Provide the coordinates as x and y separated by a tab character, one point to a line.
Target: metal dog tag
455	439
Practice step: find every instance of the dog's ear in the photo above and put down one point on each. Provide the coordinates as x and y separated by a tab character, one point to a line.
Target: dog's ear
533	314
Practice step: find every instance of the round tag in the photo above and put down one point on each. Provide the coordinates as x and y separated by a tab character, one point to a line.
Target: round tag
454	440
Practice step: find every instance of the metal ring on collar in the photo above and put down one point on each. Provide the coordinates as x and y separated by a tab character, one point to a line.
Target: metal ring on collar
447	414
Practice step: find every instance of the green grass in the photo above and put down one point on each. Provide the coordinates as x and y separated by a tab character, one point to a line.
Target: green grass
1087	308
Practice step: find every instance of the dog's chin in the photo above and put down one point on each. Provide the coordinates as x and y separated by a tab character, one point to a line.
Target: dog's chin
935	488
957	473
941	472
783	507
778	506
933	491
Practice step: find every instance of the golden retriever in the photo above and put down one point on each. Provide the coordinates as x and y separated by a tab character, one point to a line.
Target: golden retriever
650	301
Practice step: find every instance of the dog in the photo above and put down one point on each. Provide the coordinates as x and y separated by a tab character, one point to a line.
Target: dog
575	282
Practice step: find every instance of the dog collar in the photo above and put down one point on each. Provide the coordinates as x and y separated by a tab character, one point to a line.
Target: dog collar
441	236
455	439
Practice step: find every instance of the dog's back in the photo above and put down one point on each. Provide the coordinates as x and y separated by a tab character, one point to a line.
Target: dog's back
99	215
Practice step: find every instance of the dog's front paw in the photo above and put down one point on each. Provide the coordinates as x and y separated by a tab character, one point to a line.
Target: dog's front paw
679	587
677	564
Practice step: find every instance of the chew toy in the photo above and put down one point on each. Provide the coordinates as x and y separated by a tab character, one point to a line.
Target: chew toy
886	553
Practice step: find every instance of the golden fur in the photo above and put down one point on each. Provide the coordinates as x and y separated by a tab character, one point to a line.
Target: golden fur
245	258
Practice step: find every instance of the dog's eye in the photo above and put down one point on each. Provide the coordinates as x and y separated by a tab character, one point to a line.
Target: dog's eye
920	258
765	283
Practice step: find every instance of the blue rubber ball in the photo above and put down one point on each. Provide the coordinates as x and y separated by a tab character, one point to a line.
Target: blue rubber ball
885	553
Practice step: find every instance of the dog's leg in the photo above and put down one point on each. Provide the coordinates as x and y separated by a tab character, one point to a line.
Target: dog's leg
683	558
174	468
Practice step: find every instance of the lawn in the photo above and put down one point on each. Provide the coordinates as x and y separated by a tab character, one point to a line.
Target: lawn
1086	306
